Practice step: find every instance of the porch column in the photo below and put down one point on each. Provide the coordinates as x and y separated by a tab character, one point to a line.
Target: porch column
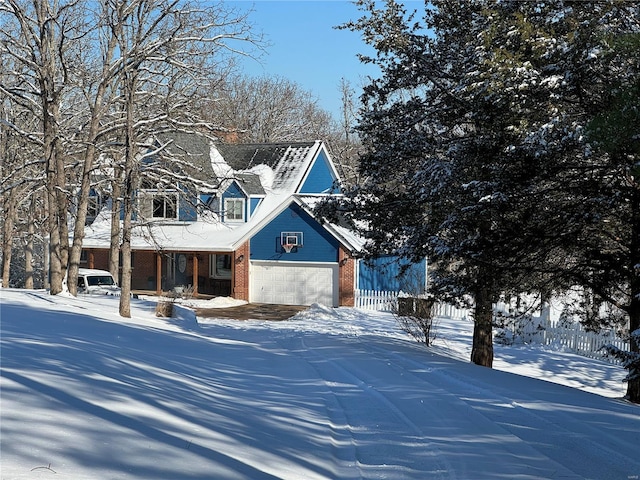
195	274
347	278
240	273
91	261
158	273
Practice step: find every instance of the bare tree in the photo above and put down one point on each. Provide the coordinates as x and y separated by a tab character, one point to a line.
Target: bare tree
170	54
37	36
345	142
96	80
20	167
268	109
101	78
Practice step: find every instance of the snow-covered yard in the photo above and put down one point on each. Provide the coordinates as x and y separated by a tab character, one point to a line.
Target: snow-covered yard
329	394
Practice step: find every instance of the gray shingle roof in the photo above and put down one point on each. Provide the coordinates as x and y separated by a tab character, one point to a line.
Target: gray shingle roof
191	151
250	183
247	155
190	154
285	159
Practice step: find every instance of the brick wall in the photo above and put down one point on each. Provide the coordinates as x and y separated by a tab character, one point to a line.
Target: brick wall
144	266
98	259
240	288
144	271
347	279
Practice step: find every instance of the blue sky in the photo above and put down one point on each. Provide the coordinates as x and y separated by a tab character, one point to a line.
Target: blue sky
307	49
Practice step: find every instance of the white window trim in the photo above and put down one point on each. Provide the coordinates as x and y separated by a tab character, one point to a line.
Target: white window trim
243	204
153	194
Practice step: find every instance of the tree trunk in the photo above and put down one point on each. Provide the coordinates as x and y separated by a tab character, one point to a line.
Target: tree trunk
80	221
28	251
63	208
7	236
125	283
56	275
97	110
482	349
81	214
633	387
55	177
116	205
128	196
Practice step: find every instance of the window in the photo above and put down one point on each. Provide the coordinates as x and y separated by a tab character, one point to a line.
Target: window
165	206
220	265
95	280
94	205
234	209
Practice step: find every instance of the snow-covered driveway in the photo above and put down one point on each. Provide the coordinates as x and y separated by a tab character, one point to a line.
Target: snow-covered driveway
330	394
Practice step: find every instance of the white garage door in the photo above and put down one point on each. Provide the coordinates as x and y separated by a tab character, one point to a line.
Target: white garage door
291	283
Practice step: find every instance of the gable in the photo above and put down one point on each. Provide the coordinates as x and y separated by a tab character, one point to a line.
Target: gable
233	191
321	178
289	162
319	245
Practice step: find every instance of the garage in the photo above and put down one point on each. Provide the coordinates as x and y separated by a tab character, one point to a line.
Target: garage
294	283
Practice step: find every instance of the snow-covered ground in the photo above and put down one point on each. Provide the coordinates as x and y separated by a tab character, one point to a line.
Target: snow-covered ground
328	394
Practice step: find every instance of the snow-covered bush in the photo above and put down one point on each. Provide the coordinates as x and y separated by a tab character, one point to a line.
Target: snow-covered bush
415	317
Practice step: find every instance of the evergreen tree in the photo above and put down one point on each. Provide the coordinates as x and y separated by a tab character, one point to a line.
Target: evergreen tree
476	147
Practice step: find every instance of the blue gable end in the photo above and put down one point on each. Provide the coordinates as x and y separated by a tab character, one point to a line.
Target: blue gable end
383	274
319	245
233	191
321	178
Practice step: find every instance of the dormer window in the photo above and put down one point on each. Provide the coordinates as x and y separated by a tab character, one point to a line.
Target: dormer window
234	209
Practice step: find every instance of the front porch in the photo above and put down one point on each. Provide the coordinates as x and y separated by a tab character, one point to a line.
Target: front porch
203	274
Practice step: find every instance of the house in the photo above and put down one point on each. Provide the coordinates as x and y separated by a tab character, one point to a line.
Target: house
246	229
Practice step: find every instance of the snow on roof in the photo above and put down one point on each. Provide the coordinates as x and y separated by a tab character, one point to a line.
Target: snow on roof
280	169
288	161
345	235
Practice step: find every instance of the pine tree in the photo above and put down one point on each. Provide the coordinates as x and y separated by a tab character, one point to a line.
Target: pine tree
476	147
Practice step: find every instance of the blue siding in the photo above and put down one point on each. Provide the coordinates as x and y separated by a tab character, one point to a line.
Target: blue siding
321	178
253	204
187	208
209	202
319	245
383	274
233	191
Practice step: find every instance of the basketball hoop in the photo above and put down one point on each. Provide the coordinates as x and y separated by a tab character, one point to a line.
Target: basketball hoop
288	247
289	240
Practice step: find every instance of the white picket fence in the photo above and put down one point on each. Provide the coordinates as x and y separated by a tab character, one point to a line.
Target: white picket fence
381	301
386	301
575	338
540	330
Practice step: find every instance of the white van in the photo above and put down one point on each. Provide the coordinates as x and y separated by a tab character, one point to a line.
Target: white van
96	282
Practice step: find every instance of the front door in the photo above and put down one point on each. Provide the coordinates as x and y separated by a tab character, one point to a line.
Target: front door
174	271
